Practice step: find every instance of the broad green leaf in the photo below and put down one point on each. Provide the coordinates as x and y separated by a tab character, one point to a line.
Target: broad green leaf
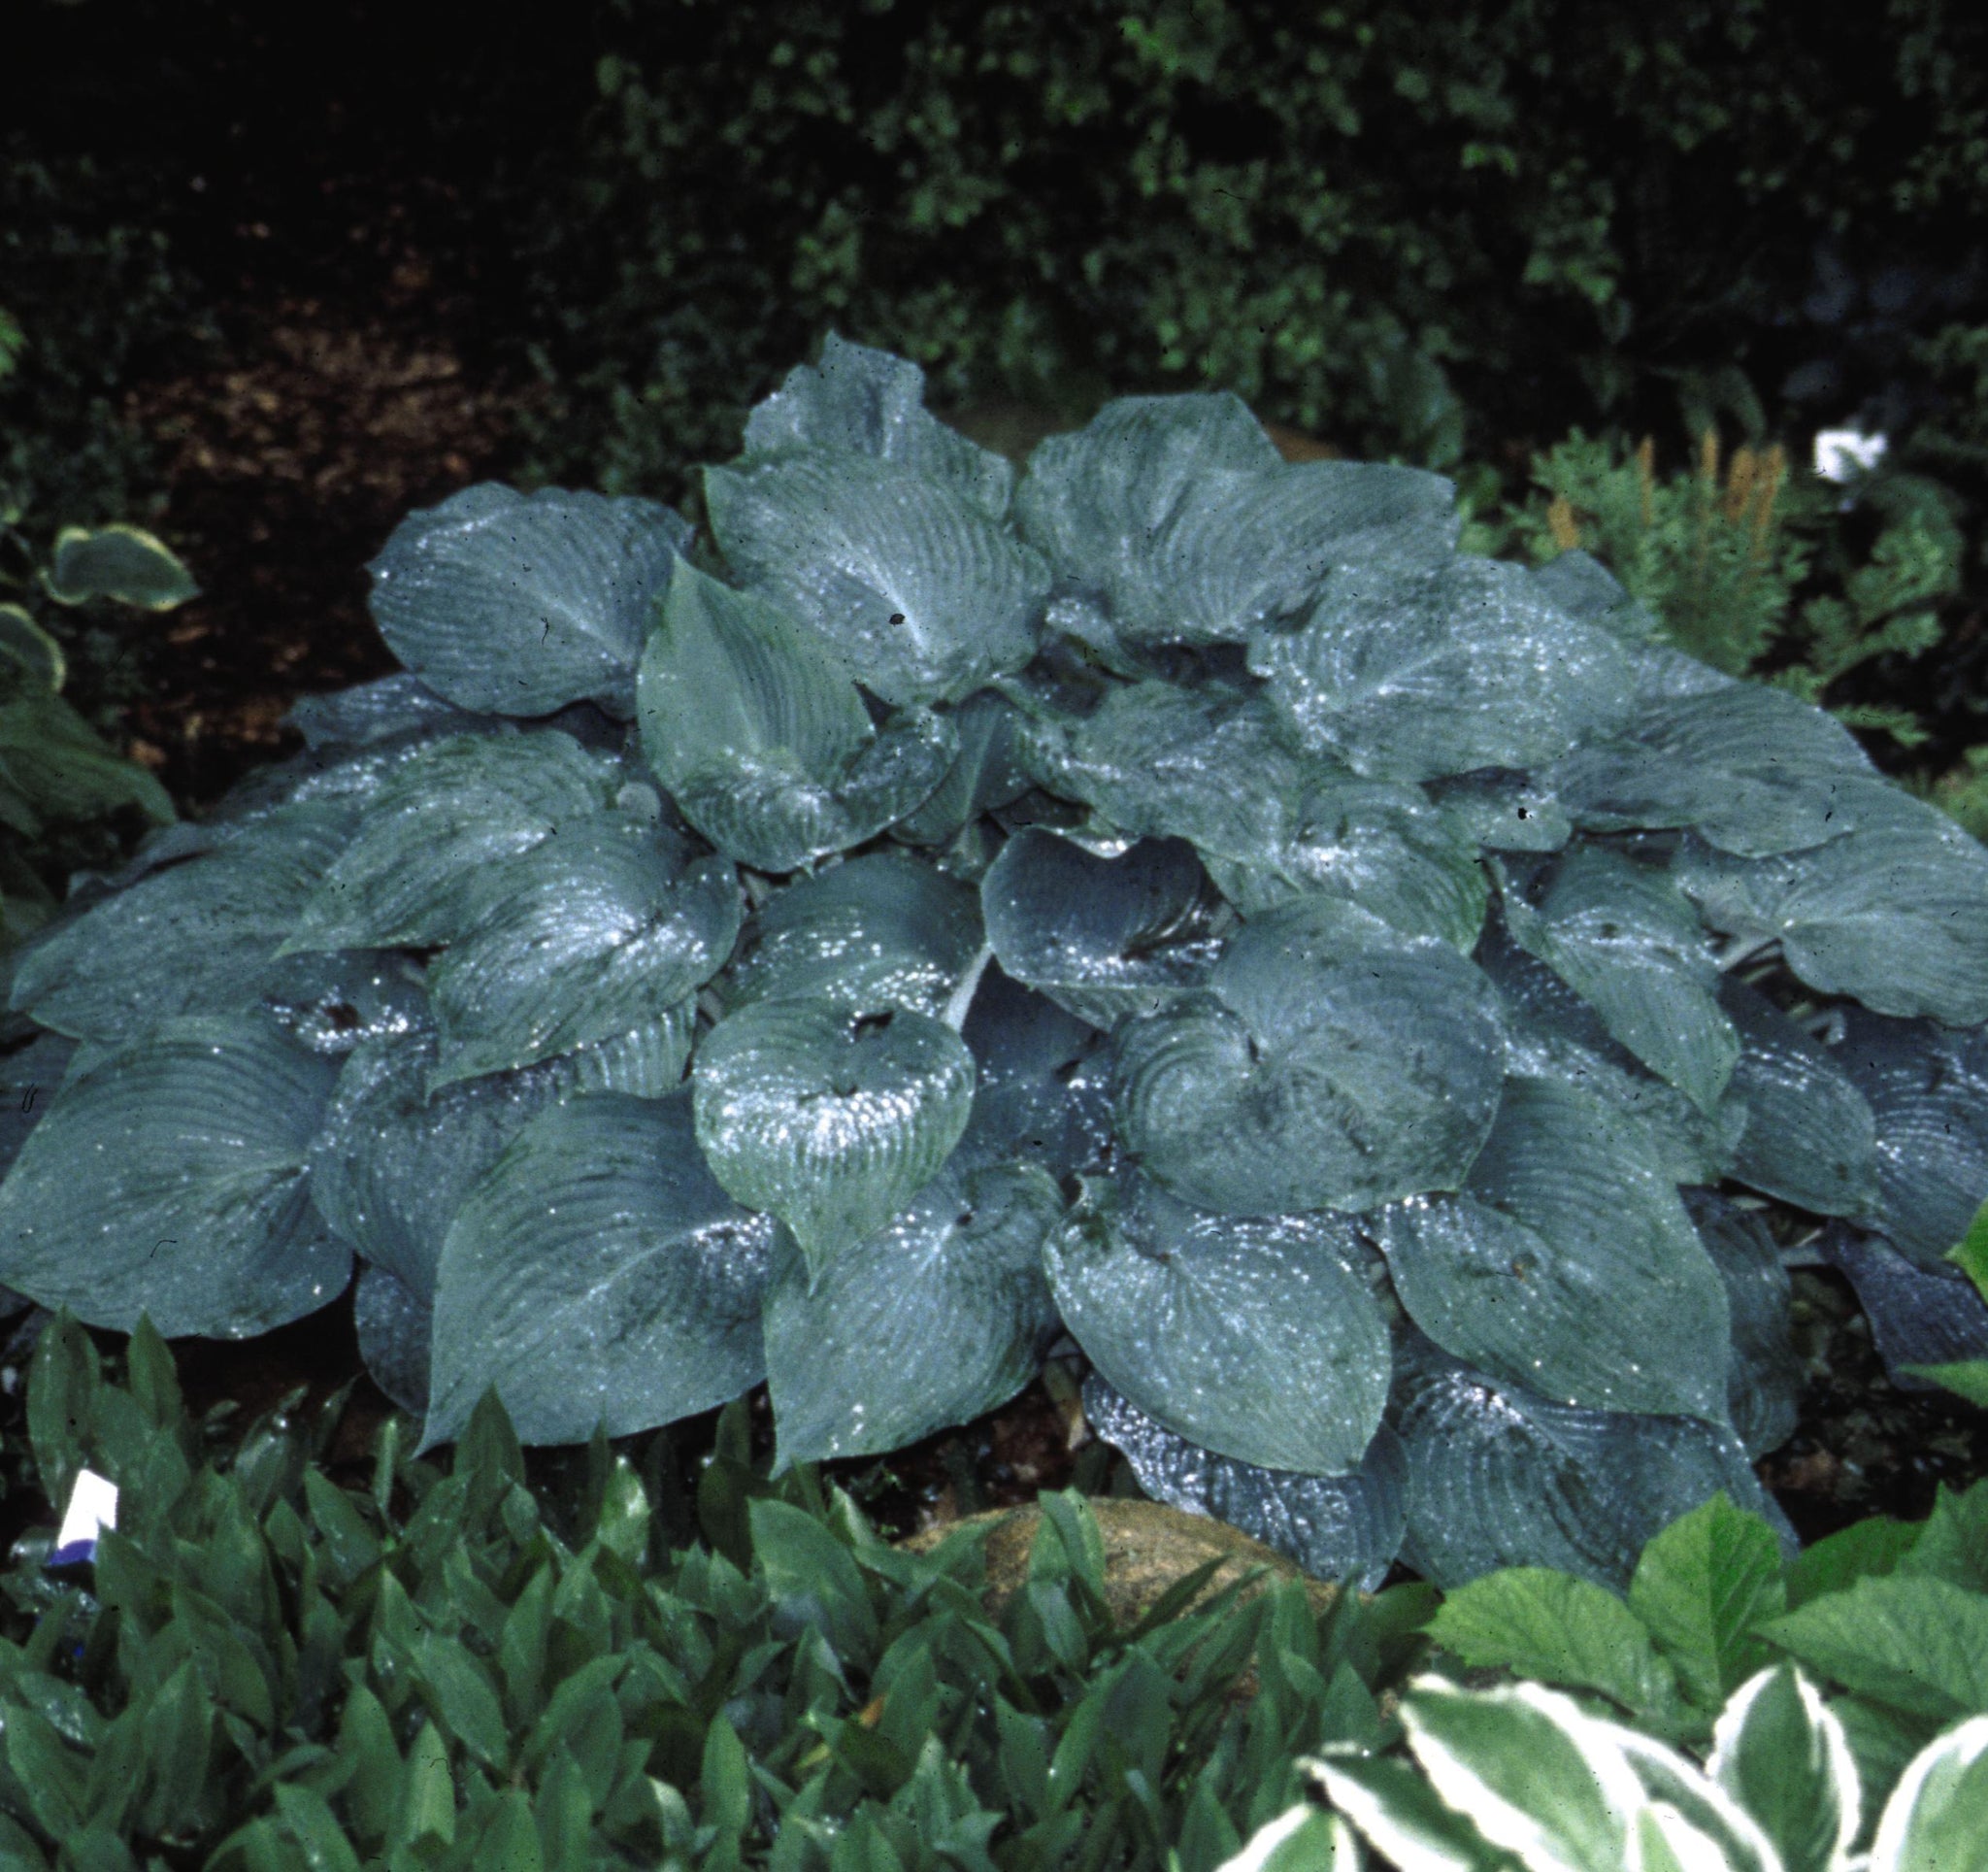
883	927
870	403
1566	1264
1102	937
1333	1063
938	1317
761	738
1557	1629
602	932
1936	1820
117	561
597	1273
1869	1548
1536	1776
1622	937
1782	1754
1415	674
910	584
830	1113
456	1687
1176	515
1809	1139
1916	1644
1258	1340
813	1578
1499	1476
1893	912
1331	1525
520	604
55	767
1954	1540
197	1141
433	850
1701	1587
1751	769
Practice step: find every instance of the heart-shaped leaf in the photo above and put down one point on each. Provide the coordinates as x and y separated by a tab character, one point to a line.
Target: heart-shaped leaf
830	1113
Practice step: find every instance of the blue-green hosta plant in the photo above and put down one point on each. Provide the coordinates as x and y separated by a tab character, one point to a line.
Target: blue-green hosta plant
1360	993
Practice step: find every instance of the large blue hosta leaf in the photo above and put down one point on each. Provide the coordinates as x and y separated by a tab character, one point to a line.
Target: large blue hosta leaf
830	1113
1764	1375
912	585
1177	516
369	711
940	1317
392	1164
868	402
31	1075
1893	911
171	1178
1042	1087
432	851
1567	1263
602	931
1499	1477
1928	1093
1584	587
1503	808
762	739
1331	1525
1271	824
1920	1314
1752	770
1413	675
1259	1340
1102	937
518	604
393	1326
201	937
598	1274
983	776
1625	939
884	928
1335	1064
1810	1137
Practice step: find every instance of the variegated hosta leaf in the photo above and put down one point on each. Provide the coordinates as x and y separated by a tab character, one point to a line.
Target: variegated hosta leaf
982	776
1752	770
393	1326
1102	937
1933	1819
1623	937
1258	1340
1893	911
369	711
599	933
1335	1064
761	738
938	1317
520	604
1179	516
392	1164
1927	1089
1780	1752
831	1114
199	938
1416	674
433	847
1500	1477
117	561
870	403
598	1275
918	591
1919	1315
171	1178
1809	1136
1042	1091
1566	1264
1331	1525
1764	1374
1504	809
884	928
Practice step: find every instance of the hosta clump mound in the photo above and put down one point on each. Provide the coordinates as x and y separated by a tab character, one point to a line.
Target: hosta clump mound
1364	994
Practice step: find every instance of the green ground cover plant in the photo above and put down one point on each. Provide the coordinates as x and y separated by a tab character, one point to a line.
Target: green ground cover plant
911	917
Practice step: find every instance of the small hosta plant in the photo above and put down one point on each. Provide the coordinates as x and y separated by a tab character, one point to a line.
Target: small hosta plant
1361	994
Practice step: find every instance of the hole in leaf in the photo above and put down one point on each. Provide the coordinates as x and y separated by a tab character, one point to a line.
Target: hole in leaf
866	1026
343	1015
964	1219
